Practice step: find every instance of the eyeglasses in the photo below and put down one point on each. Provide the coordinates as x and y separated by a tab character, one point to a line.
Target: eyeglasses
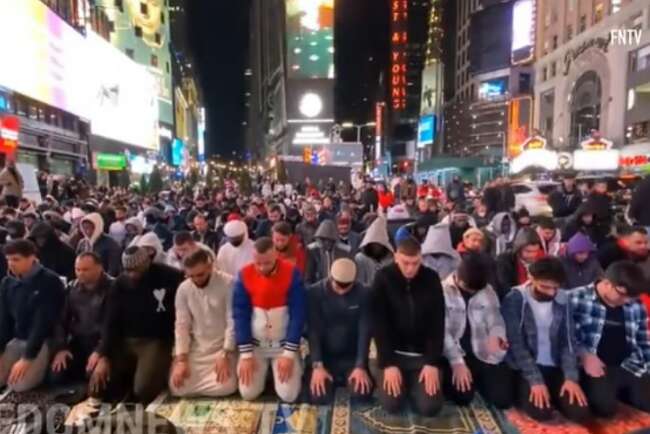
621	291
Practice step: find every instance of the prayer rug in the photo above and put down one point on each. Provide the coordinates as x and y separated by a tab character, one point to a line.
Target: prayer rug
626	420
370	418
210	416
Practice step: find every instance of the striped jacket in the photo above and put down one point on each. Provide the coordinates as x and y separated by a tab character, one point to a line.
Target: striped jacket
588	314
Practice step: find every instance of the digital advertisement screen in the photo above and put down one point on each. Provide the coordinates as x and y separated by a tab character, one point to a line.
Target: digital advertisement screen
432	88
427	130
43	57
310	38
178	151
152	17
124	96
493	88
523	31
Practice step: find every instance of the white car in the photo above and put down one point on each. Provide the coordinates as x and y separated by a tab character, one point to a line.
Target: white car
533	196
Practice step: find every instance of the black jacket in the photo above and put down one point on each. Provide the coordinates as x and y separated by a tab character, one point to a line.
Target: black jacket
597	231
565	203
370	199
492	199
84	313
210	239
106	248
55	254
639	209
408	315
30	308
146	311
601	204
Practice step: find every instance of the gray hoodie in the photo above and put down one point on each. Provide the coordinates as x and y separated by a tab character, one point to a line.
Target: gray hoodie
501	242
319	257
438	253
367	266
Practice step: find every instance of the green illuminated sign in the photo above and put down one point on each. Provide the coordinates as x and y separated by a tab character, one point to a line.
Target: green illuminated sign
110	161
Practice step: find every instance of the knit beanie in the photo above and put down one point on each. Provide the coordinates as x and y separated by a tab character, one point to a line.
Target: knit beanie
135	257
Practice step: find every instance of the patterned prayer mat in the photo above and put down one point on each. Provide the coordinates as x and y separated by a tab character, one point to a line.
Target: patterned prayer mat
627	420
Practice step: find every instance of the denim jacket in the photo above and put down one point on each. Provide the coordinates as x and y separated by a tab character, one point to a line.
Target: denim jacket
522	336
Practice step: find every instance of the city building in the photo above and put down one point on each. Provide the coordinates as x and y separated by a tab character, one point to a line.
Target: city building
141	30
43	108
266	95
593	71
409	34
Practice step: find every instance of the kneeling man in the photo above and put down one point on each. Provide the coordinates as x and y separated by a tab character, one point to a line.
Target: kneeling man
205	342
269	315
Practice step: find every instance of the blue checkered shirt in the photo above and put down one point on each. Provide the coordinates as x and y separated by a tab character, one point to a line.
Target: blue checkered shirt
589	313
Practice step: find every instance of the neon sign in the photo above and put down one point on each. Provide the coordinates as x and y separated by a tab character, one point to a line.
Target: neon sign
399	40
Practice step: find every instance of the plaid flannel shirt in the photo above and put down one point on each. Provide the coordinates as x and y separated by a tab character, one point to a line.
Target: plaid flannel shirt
485	320
589	315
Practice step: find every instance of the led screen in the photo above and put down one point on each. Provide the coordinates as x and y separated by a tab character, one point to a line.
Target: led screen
43	57
426	130
310	38
523	27
124	96
178	149
493	88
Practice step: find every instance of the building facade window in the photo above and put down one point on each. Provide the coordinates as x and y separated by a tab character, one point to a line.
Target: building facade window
583	24
553	69
154	60
569	33
144	8
599	12
555	42
129	52
544	74
138	31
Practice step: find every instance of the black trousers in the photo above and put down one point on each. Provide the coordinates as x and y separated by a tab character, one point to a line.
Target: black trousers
75	371
603	393
412	390
553	378
496	383
340	371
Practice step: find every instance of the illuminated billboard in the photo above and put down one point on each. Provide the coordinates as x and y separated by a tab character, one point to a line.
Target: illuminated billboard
523	31
399	14
520	120
124	96
493	88
310	38
432	88
142	30
43	57
427	130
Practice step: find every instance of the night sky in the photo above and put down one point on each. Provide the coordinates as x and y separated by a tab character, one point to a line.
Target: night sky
219	37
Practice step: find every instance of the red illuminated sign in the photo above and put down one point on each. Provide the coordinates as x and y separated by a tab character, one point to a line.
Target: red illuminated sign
398	64
634	160
9	127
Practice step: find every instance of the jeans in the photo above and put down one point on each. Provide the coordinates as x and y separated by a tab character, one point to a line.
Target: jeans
553	379
412	389
496	383
604	392
340	371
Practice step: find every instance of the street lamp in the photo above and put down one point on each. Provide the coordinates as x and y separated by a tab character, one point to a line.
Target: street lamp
359	127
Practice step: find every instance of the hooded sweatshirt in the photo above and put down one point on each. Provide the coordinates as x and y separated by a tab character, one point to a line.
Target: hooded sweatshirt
580	274
137	224
55	254
501	242
151	240
319	257
553	247
367	266
438	252
510	270
231	259
103	245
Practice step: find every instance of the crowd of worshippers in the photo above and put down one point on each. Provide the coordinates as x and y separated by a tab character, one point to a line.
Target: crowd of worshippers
519	310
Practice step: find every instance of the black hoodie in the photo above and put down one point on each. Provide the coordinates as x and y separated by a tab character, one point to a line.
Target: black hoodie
55	254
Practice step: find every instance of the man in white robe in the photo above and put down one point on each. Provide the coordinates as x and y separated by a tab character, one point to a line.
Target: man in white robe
238	251
204	358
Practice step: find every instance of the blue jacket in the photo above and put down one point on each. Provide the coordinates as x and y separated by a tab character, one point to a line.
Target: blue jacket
521	331
30	308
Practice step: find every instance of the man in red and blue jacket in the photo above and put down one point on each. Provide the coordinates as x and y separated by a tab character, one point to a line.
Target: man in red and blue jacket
269	314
